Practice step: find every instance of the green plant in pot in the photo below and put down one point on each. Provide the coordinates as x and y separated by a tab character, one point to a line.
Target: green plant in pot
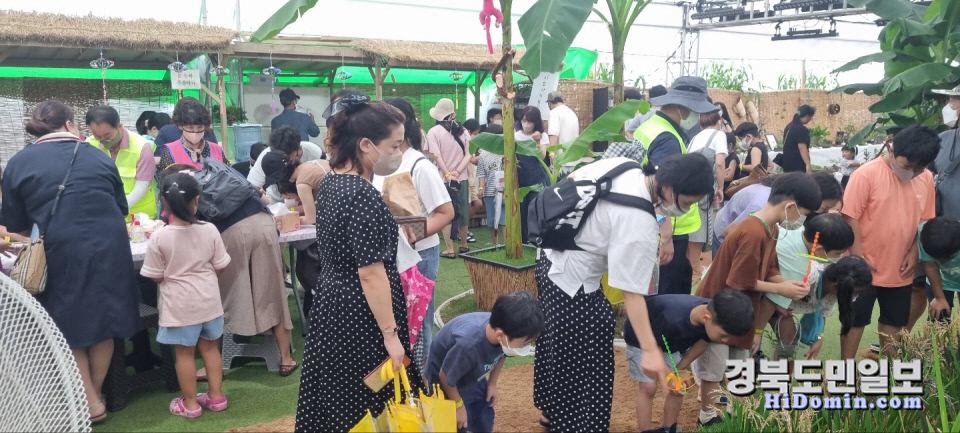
235	114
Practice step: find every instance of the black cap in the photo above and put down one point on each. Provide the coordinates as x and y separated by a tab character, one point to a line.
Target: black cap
747	128
287	96
275	168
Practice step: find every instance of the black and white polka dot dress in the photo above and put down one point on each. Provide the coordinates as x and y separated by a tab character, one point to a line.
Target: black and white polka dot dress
354	229
573	369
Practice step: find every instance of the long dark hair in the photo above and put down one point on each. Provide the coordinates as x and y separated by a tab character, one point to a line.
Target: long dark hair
724	113
411	130
178	191
47	117
374	120
532	115
848	274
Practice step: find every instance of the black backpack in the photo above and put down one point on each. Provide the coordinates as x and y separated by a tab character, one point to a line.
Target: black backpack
557	213
222	190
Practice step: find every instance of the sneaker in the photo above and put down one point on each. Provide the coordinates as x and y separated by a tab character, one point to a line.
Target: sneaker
210	404
177	408
713	421
875	347
471	239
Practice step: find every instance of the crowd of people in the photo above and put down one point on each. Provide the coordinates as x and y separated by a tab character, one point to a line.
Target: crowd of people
783	246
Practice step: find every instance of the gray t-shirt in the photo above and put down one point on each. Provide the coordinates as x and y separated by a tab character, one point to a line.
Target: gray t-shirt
632	125
949	187
461	349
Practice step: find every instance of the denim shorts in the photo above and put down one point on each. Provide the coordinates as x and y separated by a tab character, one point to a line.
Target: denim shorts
189	335
490	205
635	362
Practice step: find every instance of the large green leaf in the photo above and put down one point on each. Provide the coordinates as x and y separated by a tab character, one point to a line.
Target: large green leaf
896	101
493	143
917	76
605	128
867	88
283	17
915	33
891	9
548	29
869	58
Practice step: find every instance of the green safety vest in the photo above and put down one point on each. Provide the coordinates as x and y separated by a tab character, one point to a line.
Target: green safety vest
649	130
126	161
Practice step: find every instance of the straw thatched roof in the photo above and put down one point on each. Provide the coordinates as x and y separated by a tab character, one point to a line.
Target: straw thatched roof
44	29
439	55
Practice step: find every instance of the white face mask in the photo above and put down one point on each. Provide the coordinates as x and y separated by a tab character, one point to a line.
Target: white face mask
744	144
904	174
527	127
690	121
516	351
290	202
950	116
674	210
787	225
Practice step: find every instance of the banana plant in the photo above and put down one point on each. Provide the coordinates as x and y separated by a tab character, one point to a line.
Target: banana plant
289	13
920	47
548	29
623	13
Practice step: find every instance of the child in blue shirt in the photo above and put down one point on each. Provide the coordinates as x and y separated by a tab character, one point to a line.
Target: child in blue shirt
467	355
689	324
940	253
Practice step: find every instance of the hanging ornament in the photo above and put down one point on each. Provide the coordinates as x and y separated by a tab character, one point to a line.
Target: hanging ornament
102	64
456	77
221	71
178	67
273	72
343	75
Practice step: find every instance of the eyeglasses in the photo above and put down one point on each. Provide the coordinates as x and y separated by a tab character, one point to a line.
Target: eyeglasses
202	131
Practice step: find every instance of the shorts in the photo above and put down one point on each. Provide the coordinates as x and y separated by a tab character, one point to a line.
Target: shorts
635	361
894	306
702	235
711	365
490	205
189	335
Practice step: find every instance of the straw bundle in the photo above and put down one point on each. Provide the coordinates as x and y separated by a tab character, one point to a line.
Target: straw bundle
489	282
440	55
142	34
578	95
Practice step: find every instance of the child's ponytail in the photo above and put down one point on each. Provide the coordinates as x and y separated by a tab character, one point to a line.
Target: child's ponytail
178	191
848	274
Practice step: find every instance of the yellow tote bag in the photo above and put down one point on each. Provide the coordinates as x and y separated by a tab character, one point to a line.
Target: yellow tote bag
366	425
613	294
439	413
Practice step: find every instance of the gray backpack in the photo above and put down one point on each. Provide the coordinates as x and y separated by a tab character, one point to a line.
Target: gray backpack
222	190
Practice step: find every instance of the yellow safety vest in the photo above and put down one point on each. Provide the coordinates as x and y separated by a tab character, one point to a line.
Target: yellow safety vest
127	166
646	133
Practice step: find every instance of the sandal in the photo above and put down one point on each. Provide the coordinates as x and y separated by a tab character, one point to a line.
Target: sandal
464	250
217	405
449	255
96	419
286	370
177	408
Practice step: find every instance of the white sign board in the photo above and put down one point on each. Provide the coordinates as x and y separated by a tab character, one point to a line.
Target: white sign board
542	86
189	79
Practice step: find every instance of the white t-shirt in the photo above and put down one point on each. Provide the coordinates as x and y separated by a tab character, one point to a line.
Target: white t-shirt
564	124
257	177
615	239
426	179
522	136
718	142
845	168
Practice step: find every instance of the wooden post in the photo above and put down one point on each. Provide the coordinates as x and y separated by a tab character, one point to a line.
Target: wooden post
803	74
379	76
222	91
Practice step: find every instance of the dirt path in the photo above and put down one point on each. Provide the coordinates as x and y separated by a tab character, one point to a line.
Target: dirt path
515	412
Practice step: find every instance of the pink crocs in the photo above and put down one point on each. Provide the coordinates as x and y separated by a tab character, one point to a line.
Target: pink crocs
215	405
177	408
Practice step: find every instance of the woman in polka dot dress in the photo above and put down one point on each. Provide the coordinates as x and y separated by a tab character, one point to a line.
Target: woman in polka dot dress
359	318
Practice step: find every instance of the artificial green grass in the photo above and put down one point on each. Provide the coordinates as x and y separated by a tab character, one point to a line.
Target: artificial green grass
499	255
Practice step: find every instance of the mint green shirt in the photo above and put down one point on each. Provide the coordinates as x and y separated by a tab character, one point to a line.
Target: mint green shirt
949	272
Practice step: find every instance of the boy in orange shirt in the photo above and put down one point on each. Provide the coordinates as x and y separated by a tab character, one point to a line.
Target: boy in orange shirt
885	202
747	261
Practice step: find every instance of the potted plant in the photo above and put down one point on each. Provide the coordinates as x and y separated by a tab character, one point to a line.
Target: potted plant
235	114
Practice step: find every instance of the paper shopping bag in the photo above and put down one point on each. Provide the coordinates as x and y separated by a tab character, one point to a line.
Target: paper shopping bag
401	196
439	413
417	290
